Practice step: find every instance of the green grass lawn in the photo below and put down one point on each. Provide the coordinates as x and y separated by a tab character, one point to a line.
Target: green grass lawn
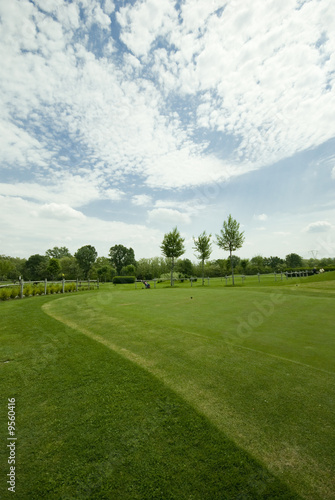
188	393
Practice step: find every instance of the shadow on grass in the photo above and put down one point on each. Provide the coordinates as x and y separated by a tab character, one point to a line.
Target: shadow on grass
91	424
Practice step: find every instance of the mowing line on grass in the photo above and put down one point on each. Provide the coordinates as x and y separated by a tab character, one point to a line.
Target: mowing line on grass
139	360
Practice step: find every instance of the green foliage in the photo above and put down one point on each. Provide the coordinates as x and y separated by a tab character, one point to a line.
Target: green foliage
128	270
104	273
230	238
4	293
86	256
185	268
293	260
121	256
11	267
27	290
103	270
58	252
36	267
167	276
173	247
203	248
148	269
69	267
70	287
123	279
14	292
53	268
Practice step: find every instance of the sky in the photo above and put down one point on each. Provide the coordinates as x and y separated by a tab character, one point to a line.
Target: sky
120	120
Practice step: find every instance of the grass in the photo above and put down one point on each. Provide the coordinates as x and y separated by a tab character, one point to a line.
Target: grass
196	393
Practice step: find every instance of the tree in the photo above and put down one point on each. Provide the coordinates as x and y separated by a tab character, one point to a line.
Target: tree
128	270
230	239
257	264
293	260
203	248
173	247
121	256
275	263
106	273
184	268
70	268
86	257
147	269
58	252
36	267
53	268
11	267
244	264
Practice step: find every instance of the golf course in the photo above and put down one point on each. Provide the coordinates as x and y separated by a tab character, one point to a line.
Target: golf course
184	392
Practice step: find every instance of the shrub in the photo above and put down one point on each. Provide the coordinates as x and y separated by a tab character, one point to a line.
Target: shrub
70	287
14	292
4	293
27	290
123	279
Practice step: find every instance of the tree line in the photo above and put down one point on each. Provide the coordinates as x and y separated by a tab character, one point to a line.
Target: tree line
58	262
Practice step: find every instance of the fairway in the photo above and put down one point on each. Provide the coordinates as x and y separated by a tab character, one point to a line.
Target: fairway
203	392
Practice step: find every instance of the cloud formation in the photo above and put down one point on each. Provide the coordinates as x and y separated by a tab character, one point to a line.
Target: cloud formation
103	101
320	226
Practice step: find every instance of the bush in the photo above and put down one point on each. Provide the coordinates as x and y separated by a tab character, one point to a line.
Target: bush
123	279
27	290
70	287
14	292
4	293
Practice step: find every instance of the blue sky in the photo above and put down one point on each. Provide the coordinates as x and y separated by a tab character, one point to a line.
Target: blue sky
122	119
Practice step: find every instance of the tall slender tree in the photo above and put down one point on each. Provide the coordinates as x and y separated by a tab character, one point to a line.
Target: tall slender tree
173	247
230	239
203	248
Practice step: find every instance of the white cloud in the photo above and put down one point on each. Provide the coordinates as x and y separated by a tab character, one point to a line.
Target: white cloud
333	173
113	194
165	216
101	108
59	211
141	200
109	6
143	22
262	217
319	227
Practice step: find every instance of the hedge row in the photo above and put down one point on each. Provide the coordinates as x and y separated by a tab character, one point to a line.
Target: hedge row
32	290
309	269
117	280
